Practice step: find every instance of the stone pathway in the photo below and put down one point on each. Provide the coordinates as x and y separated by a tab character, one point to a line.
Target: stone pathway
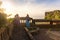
19	34
54	35
42	35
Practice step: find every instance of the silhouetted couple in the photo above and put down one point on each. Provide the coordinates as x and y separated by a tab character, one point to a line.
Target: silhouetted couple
18	32
16	21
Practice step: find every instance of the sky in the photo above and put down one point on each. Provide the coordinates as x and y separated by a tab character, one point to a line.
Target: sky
35	8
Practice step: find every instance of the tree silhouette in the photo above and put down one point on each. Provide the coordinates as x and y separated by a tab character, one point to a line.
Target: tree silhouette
0	3
3	19
53	15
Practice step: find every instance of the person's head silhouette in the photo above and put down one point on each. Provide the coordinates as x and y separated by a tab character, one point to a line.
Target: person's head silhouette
27	15
16	15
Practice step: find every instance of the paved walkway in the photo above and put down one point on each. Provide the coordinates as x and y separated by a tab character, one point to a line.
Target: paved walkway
19	34
42	35
54	35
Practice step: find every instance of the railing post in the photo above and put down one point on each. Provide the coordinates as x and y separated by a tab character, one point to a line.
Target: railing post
33	22
0	36
51	23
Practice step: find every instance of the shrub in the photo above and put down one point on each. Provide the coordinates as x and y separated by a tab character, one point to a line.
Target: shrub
3	19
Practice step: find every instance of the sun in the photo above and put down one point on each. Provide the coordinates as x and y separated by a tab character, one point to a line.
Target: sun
11	8
8	7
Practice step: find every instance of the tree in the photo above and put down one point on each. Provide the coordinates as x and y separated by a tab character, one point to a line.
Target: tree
53	15
0	3
3	17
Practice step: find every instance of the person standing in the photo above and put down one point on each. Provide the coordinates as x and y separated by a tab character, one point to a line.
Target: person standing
16	21
27	21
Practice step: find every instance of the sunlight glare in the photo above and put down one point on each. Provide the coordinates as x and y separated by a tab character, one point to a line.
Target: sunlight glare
8	7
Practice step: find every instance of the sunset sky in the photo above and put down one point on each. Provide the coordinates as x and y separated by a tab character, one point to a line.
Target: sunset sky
35	8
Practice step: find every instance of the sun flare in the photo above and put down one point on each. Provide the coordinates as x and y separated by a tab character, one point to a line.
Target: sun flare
8	7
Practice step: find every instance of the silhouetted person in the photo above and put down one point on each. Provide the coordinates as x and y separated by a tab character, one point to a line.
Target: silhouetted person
16	21
27	21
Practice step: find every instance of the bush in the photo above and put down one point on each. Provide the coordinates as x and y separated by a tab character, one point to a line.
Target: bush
10	20
3	19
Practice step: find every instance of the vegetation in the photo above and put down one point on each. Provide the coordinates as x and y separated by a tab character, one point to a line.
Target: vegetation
10	19
53	15
3	17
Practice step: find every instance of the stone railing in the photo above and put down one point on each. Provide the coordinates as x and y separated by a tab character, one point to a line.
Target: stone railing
5	32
